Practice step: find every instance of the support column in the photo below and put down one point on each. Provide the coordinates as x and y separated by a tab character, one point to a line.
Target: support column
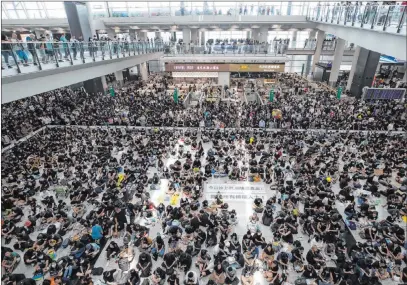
248	34
255	34
78	19
202	38
294	41
143	72
195	36
142	36
340	47
354	64
94	85
111	33
158	35
104	82
317	54
365	70
119	77
90	17
405	72
311	37
263	34
186	38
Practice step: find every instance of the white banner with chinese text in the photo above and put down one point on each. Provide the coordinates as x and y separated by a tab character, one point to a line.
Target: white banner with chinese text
235	191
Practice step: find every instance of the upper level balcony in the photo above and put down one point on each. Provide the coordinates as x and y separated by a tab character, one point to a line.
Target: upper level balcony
28	57
384	18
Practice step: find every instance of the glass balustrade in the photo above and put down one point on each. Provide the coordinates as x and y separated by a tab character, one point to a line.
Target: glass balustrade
26	57
389	18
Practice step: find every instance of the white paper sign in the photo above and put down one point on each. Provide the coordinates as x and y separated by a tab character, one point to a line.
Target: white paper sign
236	191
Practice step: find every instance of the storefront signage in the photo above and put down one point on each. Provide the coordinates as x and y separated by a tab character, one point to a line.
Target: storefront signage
196	67
275	67
188	67
242	192
269	81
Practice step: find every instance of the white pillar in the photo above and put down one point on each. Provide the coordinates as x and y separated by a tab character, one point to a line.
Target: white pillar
224	78
90	17
158	35
405	72
202	38
263	34
142	36
186	36
352	70
340	47
104	83
119	77
294	41
317	54
255	34
142	69
195	36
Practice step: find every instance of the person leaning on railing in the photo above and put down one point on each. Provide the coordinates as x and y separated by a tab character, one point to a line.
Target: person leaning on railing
6	50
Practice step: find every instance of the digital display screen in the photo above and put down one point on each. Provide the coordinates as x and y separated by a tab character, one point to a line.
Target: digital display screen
384	94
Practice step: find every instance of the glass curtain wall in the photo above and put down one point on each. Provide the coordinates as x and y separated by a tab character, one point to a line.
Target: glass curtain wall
32	10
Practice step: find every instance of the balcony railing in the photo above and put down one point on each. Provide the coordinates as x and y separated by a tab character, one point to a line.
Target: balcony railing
390	18
279	49
26	57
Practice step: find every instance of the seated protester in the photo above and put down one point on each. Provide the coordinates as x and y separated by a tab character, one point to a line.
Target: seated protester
173	280
10	261
158	276
283	258
231	276
314	257
13	279
54	241
134	278
258	205
158	247
97	232
15	215
268	252
144	265
234	243
84	268
247	277
92	250
218	275
169	263
8	230
184	261
30	257
191	278
112	250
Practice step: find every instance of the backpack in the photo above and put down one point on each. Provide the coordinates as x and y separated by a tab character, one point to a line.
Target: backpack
65	243
52	229
97	271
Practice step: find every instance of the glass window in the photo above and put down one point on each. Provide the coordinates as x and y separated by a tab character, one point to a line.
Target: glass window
54	5
21	14
31	5
8	5
12	14
117	4
57	14
35	14
3	15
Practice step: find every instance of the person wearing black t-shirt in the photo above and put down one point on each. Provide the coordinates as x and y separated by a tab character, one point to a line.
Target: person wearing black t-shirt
119	220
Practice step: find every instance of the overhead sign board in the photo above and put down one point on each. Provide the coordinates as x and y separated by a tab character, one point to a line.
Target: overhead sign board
194	67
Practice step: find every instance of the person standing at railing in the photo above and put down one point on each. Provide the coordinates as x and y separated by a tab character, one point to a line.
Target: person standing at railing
90	46
18	47
6	50
31	47
64	45
74	46
49	52
95	45
57	49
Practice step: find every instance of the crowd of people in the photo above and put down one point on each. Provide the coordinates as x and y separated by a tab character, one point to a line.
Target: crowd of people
302	107
85	202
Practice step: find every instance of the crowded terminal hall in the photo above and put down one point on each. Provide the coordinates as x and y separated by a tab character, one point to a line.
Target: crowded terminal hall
204	143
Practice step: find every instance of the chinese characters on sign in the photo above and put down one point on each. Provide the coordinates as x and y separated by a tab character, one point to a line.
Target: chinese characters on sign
235	192
188	67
